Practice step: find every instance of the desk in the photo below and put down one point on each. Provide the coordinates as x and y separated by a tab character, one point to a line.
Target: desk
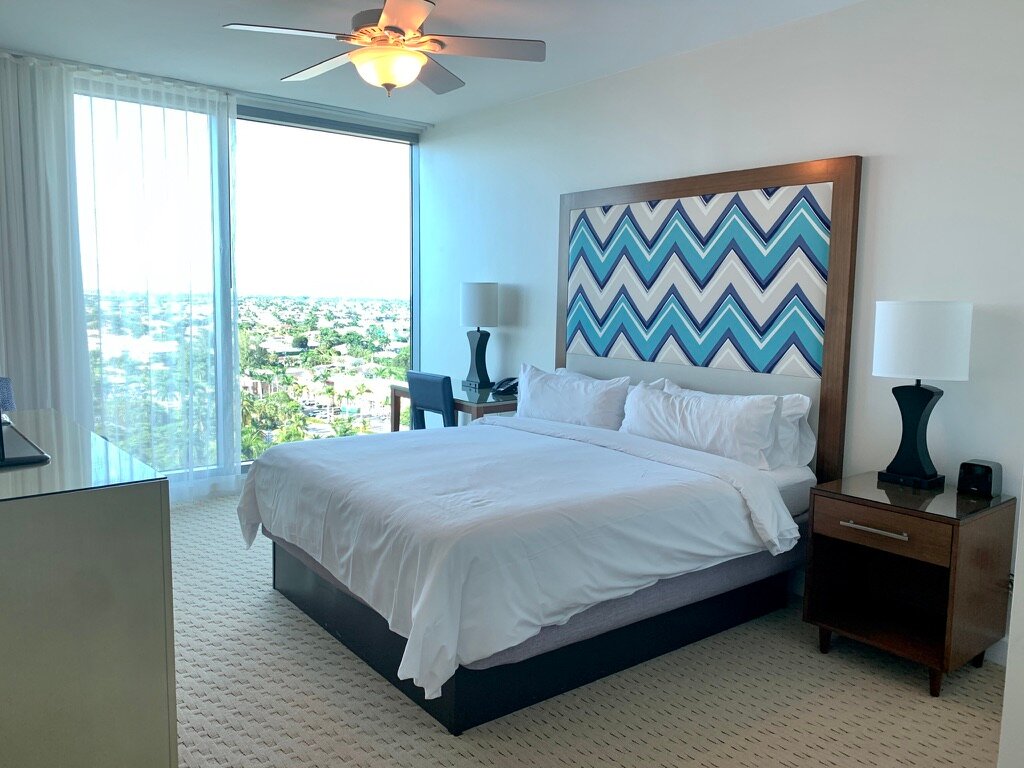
476	404
86	625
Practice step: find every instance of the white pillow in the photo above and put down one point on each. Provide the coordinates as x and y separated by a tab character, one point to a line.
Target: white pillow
740	428
794	440
658	384
571	399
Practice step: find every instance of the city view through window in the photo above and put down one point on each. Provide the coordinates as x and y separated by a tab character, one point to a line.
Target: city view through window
322	265
321	224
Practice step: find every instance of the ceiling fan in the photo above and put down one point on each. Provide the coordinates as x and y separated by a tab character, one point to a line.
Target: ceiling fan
393	48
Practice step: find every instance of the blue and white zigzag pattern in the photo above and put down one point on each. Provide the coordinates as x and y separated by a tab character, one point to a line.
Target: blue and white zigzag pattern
725	281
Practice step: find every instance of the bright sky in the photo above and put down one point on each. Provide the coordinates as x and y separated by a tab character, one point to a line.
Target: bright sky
317	213
321	214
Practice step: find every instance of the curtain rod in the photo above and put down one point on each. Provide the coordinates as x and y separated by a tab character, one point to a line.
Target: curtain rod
248	98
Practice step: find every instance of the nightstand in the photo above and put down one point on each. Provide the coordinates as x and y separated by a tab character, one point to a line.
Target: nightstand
922	574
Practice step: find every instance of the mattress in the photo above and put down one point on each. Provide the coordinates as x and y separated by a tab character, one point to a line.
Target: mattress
483	536
668	594
661	597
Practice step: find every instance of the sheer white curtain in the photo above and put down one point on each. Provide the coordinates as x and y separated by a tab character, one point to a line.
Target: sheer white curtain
154	183
42	319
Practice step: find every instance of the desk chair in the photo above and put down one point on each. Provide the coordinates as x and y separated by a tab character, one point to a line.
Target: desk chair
6	395
431	392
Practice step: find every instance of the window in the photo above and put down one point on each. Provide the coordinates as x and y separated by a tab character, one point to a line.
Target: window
152	188
323	268
270	306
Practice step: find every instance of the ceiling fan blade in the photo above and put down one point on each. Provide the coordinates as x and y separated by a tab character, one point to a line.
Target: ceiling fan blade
492	47
407	15
437	78
318	69
342	36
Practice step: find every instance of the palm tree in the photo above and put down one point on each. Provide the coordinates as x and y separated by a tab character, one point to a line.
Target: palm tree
249	408
329	391
290	433
343	426
253	443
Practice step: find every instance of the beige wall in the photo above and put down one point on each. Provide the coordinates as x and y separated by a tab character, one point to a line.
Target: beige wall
930	92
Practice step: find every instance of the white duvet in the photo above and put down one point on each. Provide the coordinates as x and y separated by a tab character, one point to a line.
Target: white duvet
470	540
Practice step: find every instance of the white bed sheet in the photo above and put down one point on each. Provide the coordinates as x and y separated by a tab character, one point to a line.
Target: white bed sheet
470	540
794	484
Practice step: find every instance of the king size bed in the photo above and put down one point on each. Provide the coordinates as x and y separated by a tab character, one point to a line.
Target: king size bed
484	568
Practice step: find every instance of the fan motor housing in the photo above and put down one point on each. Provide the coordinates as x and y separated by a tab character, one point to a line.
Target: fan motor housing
368	19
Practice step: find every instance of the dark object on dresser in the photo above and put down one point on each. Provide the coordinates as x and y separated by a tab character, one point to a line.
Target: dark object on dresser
922	574
980	478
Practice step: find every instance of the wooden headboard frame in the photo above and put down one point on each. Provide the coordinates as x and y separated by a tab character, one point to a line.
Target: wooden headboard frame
844	173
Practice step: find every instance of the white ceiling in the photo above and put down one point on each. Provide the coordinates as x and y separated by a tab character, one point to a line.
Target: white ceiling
586	39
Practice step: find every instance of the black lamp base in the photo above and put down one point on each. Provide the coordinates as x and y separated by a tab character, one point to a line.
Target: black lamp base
912	466
909	481
477	377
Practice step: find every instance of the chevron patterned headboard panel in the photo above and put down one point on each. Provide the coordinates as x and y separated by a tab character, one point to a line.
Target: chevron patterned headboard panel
714	281
734	280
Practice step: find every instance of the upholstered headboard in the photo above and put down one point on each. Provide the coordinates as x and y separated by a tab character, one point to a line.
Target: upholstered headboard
738	282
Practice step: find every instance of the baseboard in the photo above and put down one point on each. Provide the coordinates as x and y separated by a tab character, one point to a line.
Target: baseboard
997	653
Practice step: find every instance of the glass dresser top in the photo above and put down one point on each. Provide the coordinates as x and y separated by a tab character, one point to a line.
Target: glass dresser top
79	459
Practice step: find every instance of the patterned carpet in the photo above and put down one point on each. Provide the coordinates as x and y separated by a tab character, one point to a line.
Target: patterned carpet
259	684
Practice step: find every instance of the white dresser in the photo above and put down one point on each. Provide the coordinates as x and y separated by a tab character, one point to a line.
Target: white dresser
86	625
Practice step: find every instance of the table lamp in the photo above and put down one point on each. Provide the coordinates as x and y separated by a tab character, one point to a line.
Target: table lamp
480	307
919	340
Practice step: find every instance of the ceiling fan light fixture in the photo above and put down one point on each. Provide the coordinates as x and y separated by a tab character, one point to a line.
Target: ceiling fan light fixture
388	67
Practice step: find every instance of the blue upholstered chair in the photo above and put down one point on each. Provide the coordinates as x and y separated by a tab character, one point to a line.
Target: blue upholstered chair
6	394
431	392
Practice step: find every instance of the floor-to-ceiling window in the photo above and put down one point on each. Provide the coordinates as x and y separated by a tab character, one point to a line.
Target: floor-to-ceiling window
229	311
152	193
323	276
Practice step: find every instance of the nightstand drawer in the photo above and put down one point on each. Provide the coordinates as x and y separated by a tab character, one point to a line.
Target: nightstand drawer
880	529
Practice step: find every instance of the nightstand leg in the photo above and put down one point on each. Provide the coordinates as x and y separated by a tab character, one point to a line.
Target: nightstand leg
824	639
978	660
935	681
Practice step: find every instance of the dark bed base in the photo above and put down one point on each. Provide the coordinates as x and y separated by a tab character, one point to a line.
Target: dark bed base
473	697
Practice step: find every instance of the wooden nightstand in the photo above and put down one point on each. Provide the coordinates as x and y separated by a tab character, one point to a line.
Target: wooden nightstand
922	574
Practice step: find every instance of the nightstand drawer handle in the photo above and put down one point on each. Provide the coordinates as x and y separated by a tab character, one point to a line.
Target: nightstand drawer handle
879	531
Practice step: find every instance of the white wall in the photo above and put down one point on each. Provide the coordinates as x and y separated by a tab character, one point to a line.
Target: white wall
929	92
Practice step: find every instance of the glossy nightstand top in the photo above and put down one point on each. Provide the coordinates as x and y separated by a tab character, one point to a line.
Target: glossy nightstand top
945	503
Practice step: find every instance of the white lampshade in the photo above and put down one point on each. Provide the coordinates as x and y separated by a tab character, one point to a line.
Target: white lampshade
481	304
923	340
387	67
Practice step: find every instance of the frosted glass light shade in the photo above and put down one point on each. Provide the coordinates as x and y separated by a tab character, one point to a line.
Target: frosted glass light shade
481	304
387	67
923	340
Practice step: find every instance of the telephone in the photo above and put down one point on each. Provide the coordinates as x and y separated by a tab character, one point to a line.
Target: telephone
509	386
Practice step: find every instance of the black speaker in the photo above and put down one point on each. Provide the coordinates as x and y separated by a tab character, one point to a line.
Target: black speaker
980	478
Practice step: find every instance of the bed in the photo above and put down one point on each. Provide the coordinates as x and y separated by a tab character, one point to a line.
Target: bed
485	568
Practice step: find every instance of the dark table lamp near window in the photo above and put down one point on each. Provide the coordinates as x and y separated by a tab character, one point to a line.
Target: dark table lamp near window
481	306
920	340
